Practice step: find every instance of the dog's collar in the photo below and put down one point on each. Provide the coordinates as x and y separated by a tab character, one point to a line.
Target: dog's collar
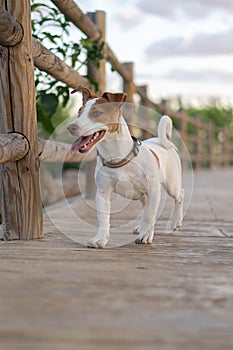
133	153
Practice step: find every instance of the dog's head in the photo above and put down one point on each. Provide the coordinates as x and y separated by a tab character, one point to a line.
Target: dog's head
97	117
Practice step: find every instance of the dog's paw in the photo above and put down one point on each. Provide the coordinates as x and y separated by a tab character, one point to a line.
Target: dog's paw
145	239
97	243
176	225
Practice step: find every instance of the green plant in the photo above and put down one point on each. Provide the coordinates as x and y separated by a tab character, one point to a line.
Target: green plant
214	111
52	29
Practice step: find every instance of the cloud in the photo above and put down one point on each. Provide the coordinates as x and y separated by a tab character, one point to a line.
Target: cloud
181	8
201	44
203	75
129	18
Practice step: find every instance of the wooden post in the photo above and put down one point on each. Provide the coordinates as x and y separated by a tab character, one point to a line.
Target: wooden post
145	117
216	147
184	135
165	107
199	145
183	124
21	202
226	146
211	142
98	76
129	88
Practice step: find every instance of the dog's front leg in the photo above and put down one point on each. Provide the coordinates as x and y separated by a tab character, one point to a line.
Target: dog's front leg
103	207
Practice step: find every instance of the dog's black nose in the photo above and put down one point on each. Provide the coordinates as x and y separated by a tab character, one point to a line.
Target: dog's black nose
72	128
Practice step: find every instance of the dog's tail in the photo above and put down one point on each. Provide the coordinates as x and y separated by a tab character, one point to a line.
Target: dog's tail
165	132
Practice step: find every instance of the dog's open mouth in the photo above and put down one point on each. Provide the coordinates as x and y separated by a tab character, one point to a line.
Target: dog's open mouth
85	143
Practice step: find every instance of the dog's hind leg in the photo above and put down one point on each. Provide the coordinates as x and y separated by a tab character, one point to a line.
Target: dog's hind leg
177	214
146	228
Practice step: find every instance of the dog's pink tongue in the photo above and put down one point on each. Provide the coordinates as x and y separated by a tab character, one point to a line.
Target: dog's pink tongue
77	145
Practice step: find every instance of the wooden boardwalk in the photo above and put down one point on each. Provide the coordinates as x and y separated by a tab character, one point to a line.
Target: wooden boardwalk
174	294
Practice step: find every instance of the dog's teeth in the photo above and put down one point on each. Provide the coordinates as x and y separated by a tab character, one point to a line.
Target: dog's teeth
96	134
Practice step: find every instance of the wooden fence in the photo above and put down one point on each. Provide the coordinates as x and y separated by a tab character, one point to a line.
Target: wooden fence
20	149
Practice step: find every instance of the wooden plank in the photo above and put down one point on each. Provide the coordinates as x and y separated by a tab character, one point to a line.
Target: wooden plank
22	209
173	294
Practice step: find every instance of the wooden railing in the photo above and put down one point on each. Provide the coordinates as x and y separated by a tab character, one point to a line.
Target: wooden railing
209	146
20	149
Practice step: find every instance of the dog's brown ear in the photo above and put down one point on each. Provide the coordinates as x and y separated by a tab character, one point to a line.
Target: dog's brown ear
87	93
118	97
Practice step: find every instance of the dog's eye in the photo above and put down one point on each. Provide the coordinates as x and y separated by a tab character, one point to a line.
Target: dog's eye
97	113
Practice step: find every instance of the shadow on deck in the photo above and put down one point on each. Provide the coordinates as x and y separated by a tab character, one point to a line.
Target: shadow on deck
174	294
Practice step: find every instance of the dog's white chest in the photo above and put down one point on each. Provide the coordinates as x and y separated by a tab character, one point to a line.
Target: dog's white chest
129	185
127	189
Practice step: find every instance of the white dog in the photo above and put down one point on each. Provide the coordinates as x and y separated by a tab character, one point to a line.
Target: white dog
133	169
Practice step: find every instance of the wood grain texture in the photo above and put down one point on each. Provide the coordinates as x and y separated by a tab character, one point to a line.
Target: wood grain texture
47	61
22	211
129	88
11	32
13	147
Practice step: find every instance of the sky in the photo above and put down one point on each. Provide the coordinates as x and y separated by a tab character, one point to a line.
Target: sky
179	47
